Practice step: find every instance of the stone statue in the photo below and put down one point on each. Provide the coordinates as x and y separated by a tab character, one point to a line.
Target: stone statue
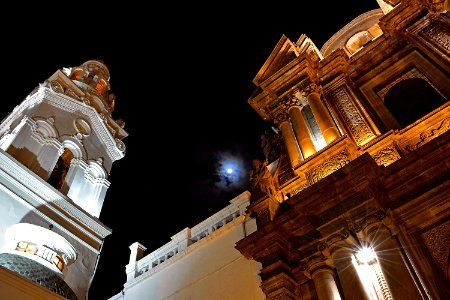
270	144
263	183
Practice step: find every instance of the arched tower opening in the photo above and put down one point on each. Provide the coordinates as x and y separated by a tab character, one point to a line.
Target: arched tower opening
61	168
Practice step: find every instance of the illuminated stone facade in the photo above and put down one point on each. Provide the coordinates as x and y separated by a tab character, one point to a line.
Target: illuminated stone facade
363	163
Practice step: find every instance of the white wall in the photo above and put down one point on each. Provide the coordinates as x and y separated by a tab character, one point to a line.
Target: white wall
211	268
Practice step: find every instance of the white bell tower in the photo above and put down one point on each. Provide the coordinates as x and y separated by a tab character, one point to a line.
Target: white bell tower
57	148
64	133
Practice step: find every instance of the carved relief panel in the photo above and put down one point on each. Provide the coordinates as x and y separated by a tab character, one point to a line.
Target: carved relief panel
354	120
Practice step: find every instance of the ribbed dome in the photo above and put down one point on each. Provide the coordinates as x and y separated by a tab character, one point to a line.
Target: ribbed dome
38	273
362	24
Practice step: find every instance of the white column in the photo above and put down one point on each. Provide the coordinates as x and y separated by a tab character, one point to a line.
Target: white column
137	252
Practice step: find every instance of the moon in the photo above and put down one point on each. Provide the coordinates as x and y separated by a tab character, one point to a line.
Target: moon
231	170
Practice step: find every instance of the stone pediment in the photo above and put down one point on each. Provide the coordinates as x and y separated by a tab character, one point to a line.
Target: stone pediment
284	52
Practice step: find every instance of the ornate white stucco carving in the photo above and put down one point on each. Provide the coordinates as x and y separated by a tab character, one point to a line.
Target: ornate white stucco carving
37	189
98	123
114	150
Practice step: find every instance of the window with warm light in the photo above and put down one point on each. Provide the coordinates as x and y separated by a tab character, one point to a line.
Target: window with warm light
58	262
27	247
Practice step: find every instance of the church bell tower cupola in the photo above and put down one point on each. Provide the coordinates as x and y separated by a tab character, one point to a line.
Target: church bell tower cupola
64	132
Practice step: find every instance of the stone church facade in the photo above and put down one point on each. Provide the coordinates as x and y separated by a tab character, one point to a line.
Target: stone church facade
352	200
360	201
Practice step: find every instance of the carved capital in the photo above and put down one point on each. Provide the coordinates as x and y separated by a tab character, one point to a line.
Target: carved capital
311	89
280	117
279	286
290	101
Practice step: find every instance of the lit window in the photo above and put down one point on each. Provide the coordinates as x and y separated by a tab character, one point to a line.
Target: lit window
58	262
27	247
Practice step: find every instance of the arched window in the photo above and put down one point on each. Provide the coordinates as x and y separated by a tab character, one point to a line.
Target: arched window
411	99
58	175
357	41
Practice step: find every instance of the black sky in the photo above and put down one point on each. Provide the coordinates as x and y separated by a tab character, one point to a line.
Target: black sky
182	75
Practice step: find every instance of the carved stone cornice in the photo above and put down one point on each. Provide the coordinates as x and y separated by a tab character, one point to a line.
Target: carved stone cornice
290	101
279	287
430	134
396	21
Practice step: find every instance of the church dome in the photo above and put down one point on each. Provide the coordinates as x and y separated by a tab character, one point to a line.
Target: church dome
93	78
37	273
355	34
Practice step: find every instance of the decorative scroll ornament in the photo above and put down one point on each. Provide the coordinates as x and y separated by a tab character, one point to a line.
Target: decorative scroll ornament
120	145
56	87
386	156
85	101
328	166
51	120
289	102
71	94
311	88
78	136
281	117
438	6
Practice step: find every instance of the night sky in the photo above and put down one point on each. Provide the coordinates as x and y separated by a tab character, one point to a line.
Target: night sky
182	75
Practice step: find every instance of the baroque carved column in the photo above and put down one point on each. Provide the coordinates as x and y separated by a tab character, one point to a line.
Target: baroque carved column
321	114
289	138
401	284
